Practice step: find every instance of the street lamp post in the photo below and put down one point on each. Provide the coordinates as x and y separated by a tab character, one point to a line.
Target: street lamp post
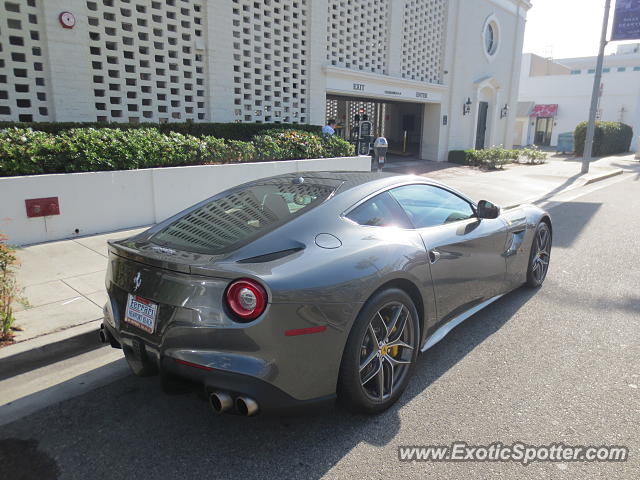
591	128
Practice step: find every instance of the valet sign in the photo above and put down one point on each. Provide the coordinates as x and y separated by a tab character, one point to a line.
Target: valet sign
626	21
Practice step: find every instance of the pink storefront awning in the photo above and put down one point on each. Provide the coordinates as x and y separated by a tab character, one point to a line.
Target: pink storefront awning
544	111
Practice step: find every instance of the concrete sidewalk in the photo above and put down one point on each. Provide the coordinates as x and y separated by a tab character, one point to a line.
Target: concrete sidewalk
64	280
64	284
517	183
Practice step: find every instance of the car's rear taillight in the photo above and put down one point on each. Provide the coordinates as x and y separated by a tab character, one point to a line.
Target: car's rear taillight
246	299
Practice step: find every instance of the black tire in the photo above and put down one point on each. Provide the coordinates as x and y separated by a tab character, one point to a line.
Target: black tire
138	362
540	256
363	398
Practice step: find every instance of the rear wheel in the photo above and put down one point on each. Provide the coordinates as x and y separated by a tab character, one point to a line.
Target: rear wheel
540	256
380	353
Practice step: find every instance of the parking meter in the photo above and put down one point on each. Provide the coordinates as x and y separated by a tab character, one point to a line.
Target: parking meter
380	147
365	138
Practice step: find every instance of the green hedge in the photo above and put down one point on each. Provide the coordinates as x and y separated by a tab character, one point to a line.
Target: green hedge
609	138
32	152
228	131
496	157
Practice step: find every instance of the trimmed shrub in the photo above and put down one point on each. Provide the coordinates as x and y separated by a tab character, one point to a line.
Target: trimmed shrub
9	291
461	157
490	158
532	156
335	146
28	152
228	131
609	138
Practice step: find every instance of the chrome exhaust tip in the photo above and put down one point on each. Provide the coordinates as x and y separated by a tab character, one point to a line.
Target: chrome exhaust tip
220	402
103	335
246	406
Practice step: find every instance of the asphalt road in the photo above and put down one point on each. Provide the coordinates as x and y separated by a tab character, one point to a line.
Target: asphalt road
560	364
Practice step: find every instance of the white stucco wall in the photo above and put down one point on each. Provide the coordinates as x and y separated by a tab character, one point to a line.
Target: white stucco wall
248	61
572	94
471	72
107	201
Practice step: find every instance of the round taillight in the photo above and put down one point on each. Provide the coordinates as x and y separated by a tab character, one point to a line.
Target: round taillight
246	298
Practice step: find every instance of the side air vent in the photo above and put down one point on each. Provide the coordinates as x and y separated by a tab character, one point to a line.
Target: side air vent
270	257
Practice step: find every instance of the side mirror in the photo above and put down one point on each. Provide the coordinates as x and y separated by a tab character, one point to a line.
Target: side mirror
488	210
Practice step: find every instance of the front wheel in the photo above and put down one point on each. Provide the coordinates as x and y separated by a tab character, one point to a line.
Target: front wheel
380	353
540	256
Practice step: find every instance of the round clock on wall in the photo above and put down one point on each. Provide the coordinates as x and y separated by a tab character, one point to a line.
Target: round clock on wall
67	20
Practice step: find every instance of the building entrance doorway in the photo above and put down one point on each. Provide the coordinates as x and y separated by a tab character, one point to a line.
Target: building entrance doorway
400	122
481	133
544	129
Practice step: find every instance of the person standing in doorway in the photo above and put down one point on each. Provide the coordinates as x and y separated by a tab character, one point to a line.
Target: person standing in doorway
330	128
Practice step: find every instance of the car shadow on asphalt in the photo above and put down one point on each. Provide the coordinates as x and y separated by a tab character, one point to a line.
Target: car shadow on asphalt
131	426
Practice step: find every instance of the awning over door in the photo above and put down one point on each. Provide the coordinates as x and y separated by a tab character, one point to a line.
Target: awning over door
544	111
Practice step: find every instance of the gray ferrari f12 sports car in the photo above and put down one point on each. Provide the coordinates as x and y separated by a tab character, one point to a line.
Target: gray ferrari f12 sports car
297	289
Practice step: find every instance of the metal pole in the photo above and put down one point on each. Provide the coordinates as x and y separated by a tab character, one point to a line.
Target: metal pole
588	144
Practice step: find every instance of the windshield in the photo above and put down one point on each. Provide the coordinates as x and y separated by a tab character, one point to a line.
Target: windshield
241	216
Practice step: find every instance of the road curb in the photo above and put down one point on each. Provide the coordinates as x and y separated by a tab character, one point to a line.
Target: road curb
47	349
603	176
587	181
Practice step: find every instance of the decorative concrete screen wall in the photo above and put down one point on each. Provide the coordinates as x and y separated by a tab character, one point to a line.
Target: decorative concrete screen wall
147	60
270	61
108	201
423	40
358	34
24	86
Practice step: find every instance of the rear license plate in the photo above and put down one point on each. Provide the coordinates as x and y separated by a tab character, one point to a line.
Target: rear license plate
141	313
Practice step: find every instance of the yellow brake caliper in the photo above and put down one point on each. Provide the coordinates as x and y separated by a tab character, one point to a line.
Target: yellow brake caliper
394	350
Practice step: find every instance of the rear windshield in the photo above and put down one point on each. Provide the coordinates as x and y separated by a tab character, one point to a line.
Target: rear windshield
241	216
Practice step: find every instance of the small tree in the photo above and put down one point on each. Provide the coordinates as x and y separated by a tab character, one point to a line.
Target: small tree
8	289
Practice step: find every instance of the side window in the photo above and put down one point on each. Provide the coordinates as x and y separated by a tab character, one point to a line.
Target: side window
429	206
380	211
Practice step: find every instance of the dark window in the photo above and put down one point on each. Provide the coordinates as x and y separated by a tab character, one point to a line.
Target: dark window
380	211
429	206
241	215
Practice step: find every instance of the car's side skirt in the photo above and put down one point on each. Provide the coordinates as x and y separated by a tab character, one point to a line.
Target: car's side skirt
454	322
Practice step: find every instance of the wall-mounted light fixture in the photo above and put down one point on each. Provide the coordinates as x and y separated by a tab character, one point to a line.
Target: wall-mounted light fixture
505	111
466	107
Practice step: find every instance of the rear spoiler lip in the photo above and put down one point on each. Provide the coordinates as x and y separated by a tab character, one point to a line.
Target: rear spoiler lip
132	254
204	269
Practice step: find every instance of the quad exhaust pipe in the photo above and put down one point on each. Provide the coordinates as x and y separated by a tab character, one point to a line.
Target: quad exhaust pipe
246	406
222	402
106	337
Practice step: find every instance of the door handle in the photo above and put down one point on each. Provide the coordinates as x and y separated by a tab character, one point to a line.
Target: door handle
434	256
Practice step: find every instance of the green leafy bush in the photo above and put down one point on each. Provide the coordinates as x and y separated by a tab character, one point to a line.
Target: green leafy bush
490	158
29	152
335	146
461	157
609	138
8	289
532	156
227	131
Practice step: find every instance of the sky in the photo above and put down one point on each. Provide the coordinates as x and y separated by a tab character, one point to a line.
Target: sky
566	28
